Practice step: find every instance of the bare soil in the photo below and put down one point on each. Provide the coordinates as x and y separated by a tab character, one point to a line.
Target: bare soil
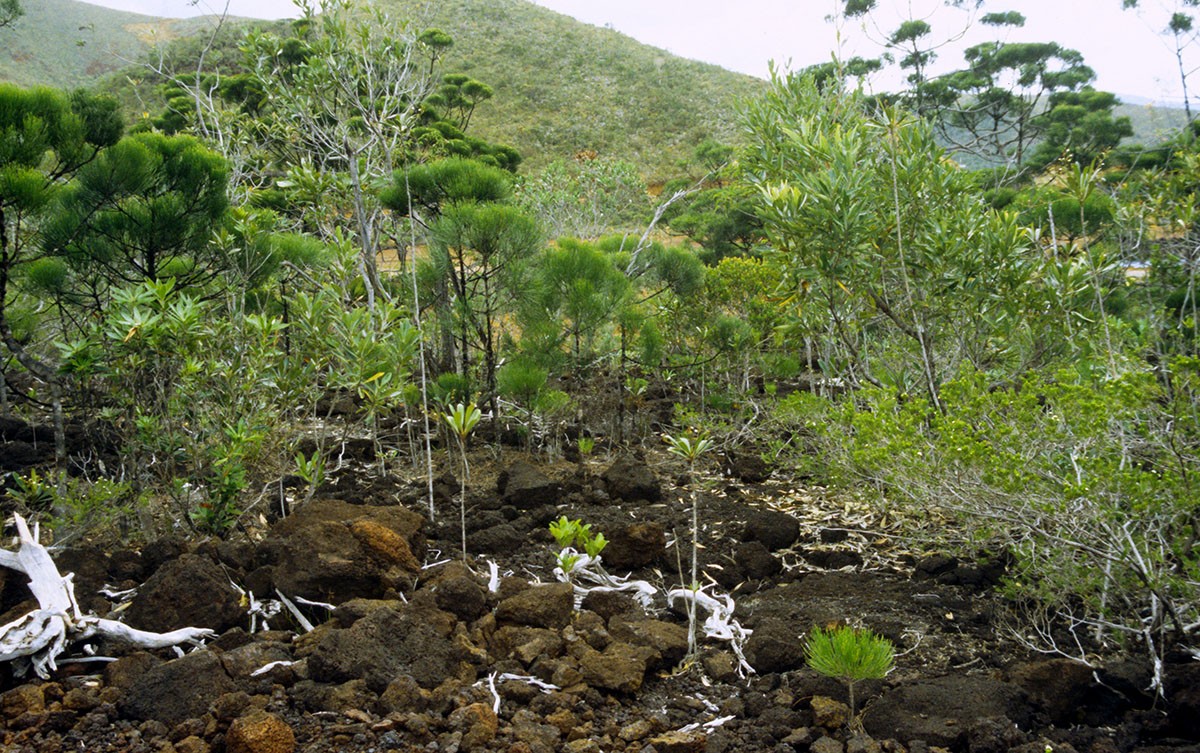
790	556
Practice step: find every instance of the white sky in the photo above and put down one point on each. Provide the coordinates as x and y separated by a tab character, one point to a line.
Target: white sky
1129	57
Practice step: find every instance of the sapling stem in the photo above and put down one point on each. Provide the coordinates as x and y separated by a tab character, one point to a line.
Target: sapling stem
690	450
462	419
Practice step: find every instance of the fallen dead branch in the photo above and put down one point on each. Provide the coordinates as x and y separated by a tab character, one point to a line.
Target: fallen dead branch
37	639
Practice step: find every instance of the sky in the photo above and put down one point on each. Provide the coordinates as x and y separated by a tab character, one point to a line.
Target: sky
1123	47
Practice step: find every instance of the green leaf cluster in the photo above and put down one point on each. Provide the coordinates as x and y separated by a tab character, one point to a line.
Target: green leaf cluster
575	533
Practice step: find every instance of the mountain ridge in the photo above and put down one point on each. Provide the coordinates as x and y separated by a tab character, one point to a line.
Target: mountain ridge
562	87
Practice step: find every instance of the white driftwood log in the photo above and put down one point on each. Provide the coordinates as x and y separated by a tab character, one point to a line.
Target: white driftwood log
37	639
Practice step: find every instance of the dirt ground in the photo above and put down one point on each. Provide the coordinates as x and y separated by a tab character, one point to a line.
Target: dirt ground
416	653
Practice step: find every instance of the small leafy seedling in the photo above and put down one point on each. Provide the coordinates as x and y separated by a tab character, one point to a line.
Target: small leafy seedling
691	449
850	655
567	560
462	420
571	533
312	470
593	545
564	531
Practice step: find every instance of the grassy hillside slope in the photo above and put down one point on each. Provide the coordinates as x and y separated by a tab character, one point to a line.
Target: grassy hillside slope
561	87
564	87
1153	124
71	44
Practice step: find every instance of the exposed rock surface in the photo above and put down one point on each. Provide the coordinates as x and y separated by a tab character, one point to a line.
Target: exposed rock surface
330	550
413	659
178	690
775	530
630	479
260	732
635	545
191	591
545	606
525	487
935	710
387	642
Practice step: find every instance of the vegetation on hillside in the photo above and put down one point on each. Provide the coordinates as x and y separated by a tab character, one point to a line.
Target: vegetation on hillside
562	87
68	44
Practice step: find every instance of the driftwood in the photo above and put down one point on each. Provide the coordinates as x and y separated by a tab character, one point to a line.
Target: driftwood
40	637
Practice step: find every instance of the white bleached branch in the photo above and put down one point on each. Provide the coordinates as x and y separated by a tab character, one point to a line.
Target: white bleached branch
36	640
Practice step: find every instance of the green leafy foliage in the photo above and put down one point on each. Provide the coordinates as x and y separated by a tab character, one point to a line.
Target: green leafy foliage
462	420
586	197
570	534
1073	476
144	209
871	224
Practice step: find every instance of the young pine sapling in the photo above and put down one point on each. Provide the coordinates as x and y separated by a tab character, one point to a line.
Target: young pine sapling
850	655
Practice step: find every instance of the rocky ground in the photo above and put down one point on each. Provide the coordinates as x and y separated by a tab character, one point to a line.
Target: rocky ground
422	652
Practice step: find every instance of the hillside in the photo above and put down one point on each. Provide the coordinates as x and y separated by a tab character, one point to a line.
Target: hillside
1152	124
70	44
561	86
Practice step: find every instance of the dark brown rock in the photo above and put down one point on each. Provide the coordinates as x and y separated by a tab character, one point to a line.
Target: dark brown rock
745	465
528	729
527	644
191	591
832	559
497	539
545	605
1183	694
939	711
775	530
334	551
826	745
23	699
525	487
402	694
752	561
124	672
994	735
389	642
774	646
668	640
177	690
161	551
17	455
242	661
630	479
606	604
635	545
461	596
1060	687
620	667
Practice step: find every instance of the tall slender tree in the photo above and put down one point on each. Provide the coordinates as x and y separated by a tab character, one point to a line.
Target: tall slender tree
1180	27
